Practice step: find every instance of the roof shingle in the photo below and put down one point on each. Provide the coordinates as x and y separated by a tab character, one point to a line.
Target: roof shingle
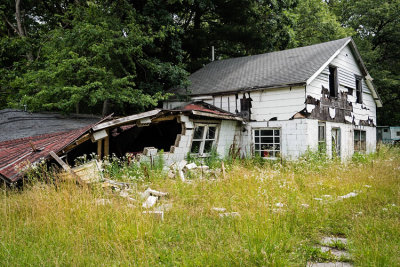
280	68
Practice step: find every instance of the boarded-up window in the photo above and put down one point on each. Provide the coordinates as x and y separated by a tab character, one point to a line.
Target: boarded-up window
267	142
204	138
358	90
333	81
360	141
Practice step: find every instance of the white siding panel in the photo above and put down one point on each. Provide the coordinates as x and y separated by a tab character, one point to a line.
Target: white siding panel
281	103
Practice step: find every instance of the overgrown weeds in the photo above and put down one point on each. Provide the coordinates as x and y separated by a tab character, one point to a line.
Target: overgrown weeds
285	208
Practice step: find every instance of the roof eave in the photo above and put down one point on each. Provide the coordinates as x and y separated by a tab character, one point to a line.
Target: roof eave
318	72
250	89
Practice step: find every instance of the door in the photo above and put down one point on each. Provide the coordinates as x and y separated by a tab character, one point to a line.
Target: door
336	142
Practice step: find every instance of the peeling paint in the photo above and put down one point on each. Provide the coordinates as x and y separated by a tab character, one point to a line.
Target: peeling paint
342	109
332	112
310	108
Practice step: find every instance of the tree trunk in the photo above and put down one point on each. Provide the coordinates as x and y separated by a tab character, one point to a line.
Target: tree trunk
105	107
20	30
77	108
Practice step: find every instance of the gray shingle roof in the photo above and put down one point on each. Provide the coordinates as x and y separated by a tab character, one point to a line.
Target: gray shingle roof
18	124
285	67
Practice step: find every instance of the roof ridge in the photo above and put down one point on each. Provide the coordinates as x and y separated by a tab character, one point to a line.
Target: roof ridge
278	51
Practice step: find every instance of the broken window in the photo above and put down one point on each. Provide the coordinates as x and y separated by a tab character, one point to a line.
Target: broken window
333	81
267	142
245	107
360	144
358	90
204	138
321	137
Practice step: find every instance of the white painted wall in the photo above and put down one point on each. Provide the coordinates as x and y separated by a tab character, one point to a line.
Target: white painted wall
297	136
300	135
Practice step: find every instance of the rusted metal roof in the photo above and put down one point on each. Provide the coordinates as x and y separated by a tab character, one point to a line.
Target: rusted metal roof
16	154
202	107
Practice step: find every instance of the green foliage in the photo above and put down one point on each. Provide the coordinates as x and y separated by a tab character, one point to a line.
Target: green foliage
89	55
315	23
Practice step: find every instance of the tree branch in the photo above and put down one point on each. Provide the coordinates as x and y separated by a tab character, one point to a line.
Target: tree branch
12	26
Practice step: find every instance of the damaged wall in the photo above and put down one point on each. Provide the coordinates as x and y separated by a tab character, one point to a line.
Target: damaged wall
344	109
266	104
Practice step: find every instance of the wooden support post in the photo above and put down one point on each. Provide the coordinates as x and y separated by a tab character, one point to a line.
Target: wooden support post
107	146
99	148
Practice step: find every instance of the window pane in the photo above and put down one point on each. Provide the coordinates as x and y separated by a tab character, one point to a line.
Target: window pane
356	145
211	133
257	140
267	139
321	133
257	132
268	147
276	132
257	147
198	132
266	132
208	146
363	136
195	147
277	147
363	146
276	139
356	135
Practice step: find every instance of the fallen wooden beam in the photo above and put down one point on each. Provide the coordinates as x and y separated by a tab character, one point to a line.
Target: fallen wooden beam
66	167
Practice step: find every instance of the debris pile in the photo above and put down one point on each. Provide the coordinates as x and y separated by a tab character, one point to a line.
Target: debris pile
183	169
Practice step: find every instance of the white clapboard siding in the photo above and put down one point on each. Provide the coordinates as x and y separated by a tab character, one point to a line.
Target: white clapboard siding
281	103
347	69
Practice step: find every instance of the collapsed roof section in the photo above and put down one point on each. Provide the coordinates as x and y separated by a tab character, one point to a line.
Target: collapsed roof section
16	155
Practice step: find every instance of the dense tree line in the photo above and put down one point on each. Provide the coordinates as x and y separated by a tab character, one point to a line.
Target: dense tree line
102	55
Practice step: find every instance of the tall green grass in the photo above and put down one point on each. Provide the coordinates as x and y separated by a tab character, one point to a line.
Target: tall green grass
62	224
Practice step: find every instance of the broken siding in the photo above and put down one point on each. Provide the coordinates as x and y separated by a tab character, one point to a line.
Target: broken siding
266	104
345	106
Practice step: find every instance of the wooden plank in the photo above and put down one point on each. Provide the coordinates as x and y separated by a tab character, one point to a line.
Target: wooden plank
124	120
166	118
99	148
66	167
107	146
81	140
212	115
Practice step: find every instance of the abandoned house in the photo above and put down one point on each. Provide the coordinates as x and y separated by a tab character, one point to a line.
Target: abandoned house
274	105
314	97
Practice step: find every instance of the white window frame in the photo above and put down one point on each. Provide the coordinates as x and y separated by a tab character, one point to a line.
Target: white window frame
204	138
360	149
258	146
